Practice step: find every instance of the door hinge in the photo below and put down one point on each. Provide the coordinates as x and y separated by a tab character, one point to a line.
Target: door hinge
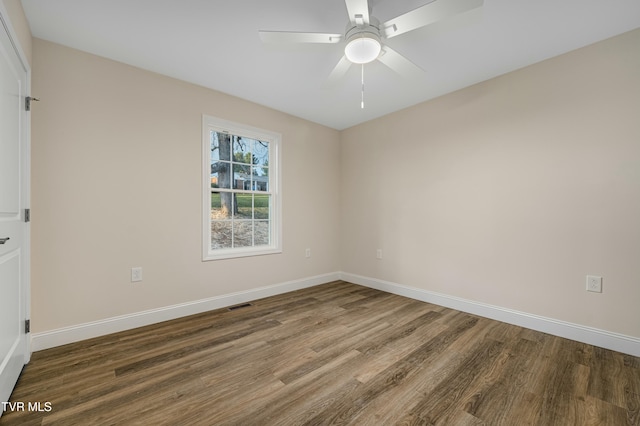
27	326
27	102
27	215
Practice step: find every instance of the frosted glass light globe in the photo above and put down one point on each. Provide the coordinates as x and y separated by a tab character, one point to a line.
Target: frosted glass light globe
362	49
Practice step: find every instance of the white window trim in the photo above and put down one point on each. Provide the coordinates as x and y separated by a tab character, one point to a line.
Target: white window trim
217	124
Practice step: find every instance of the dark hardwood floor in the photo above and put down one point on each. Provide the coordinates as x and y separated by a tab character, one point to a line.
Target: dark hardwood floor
333	354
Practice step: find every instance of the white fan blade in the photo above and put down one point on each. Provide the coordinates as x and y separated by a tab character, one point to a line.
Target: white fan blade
358	11
399	63
293	37
339	71
427	14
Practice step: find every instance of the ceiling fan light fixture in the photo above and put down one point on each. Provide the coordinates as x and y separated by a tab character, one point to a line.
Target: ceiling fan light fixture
363	48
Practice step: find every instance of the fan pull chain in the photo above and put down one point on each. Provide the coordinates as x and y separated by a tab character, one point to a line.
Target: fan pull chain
362	98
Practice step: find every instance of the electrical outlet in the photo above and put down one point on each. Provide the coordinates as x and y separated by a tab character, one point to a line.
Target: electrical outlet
136	274
307	253
594	284
379	254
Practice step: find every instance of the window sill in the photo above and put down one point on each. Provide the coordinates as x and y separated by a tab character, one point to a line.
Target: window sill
236	253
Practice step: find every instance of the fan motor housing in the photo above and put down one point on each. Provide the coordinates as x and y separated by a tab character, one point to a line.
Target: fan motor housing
370	30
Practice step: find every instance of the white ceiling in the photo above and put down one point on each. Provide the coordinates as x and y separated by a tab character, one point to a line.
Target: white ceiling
215	43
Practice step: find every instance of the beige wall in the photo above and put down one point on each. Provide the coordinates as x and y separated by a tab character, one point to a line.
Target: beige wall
509	192
116	183
20	26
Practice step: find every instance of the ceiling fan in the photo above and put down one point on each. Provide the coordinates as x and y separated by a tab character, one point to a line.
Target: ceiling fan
365	35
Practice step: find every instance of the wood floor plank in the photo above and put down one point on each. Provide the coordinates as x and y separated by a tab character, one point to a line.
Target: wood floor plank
337	353
448	398
399	332
326	356
606	366
502	390
346	409
302	398
399	400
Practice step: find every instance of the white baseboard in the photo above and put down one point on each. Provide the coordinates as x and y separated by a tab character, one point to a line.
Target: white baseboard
62	336
593	336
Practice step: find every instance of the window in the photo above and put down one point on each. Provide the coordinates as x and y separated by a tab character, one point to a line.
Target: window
241	193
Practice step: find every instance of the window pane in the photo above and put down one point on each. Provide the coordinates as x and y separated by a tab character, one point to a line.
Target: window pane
259	178
215	151
242	233
244	204
215	206
220	176
220	146
221	234
241	177
241	150
262	233
221	203
261	206
260	152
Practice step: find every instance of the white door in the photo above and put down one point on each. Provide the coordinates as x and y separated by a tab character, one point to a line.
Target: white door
14	253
